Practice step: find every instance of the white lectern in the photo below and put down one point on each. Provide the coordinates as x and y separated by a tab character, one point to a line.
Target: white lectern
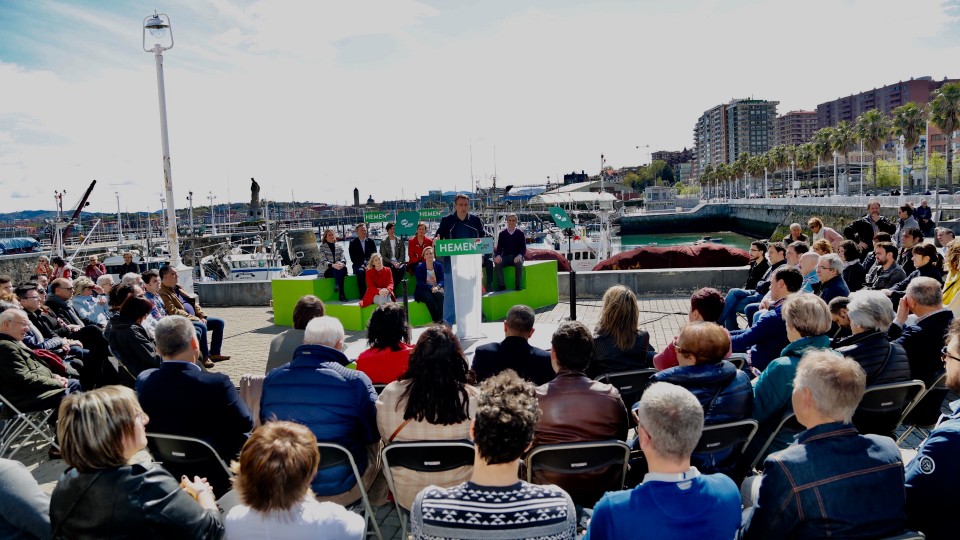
466	272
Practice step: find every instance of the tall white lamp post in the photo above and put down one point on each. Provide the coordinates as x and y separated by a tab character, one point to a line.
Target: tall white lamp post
157	30
901	154
836	190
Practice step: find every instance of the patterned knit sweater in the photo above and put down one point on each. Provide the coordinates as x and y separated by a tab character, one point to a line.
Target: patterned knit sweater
470	511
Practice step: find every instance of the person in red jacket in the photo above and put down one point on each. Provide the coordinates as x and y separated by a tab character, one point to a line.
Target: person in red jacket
379	283
388	335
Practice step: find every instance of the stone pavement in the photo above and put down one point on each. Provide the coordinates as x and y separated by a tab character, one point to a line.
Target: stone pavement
249	331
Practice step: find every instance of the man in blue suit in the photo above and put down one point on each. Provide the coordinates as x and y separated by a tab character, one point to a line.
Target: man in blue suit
515	351
182	399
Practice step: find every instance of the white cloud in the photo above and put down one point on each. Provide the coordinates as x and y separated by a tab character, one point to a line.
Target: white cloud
266	90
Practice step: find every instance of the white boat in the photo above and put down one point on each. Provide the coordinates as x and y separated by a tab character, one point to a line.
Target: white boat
244	262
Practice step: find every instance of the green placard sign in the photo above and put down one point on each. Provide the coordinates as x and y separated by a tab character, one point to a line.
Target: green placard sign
463	246
377	217
560	217
407	223
429	213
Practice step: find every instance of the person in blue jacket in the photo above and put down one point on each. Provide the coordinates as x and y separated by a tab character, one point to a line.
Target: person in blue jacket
458	224
764	340
338	404
935	470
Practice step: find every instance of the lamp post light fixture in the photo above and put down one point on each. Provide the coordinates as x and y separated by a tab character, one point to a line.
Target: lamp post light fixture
157	30
836	185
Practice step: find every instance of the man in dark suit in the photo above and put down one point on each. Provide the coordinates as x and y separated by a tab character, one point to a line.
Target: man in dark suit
514	352
182	399
361	249
923	340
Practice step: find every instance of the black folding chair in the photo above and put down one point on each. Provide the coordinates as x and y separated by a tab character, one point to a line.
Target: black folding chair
884	405
423	457
334	455
379	388
926	411
730	438
787	423
188	456
630	384
574	459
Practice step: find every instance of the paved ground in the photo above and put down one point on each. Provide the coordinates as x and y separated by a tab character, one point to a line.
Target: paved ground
249	330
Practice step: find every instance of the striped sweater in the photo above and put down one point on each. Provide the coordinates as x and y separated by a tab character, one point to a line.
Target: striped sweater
470	511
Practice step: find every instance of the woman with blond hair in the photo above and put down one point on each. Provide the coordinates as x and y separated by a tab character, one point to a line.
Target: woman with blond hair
379	283
825	233
272	480
89	307
104	494
951	262
821	247
618	343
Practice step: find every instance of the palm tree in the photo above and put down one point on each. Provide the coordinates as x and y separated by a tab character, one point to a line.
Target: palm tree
842	142
945	114
909	121
756	164
822	148
873	128
724	172
740	167
706	177
806	158
778	159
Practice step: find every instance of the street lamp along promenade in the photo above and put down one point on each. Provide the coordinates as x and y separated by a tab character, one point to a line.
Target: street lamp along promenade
157	29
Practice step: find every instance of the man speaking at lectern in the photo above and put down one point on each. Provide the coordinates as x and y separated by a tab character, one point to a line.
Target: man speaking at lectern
459	224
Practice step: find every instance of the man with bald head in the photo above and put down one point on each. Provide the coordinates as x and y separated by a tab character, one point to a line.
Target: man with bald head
808	268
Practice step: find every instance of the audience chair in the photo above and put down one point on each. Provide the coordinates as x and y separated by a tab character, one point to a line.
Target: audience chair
884	406
732	437
126	377
250	390
423	457
926	411
191	457
788	422
23	429
573	459
738	359
334	455
630	384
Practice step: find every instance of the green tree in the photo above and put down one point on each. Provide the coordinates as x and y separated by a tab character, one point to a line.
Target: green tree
823	148
740	168
842	142
888	173
873	128
778	159
909	120
756	165
945	114
806	158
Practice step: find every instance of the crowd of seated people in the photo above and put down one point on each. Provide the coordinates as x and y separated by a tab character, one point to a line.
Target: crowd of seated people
813	347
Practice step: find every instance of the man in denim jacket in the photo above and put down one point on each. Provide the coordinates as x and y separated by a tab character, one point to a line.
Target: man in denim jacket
833	482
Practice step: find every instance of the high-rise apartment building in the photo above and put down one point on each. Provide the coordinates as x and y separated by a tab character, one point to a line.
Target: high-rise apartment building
885	99
796	128
724	132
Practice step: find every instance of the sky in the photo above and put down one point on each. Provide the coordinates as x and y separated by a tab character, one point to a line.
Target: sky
399	97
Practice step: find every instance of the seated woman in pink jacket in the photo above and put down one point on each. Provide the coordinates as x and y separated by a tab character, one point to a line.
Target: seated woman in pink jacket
379	283
828	234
